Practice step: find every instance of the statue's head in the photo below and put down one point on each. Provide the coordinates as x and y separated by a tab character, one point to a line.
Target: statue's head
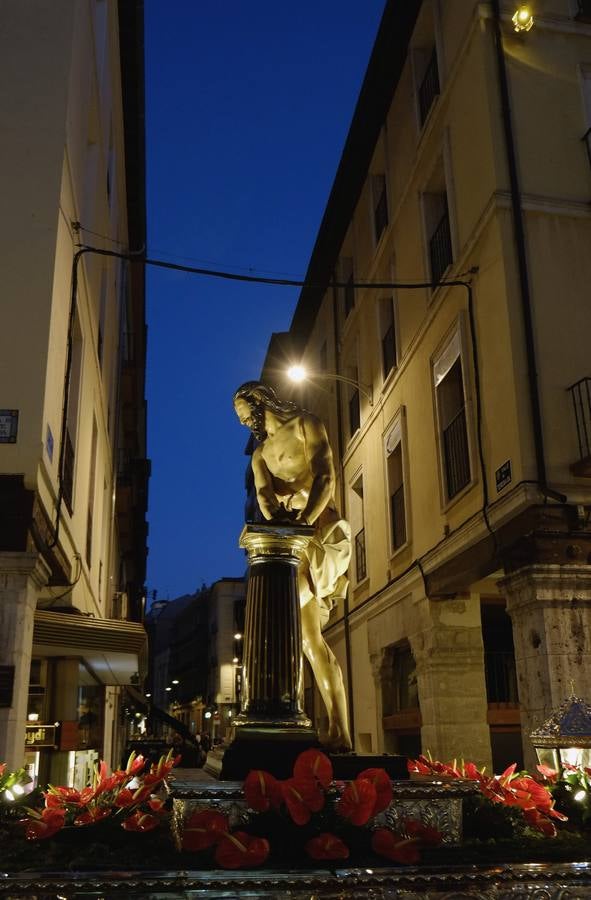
253	399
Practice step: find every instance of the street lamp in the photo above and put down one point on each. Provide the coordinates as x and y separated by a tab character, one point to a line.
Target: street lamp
522	18
297	374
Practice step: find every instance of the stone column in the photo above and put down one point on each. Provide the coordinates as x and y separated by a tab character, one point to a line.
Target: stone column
451	682
22	575
64	709
550	608
271	728
272	691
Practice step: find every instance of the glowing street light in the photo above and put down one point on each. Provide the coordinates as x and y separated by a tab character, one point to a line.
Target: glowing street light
522	18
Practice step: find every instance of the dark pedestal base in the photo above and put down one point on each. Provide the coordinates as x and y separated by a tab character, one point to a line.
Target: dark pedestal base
347	766
273	750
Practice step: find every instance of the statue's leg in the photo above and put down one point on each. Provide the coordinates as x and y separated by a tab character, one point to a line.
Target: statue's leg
328	676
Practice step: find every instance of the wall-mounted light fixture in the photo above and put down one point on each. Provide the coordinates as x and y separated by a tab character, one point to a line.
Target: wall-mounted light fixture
522	19
298	373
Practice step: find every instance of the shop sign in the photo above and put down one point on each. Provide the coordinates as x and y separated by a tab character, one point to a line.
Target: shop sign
41	735
503	476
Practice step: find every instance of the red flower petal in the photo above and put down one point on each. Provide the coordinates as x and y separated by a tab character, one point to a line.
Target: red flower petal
262	791
302	796
92	815
204	829
313	763
358	801
392	846
241	850
38	830
381	781
327	846
141	822
427	835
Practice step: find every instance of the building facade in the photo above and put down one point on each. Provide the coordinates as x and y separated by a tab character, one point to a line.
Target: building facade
73	467
456	394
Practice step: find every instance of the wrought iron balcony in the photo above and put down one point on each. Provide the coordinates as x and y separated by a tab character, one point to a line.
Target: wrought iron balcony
581	397
440	252
360	559
429	87
456	455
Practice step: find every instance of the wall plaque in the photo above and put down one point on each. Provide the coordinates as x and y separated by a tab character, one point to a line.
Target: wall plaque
8	426
503	475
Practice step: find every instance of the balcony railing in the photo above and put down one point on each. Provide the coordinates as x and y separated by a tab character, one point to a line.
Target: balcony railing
380	215
429	87
360	560
398	517
354	413
440	252
501	678
389	350
456	455
583	13
68	473
581	397
349	295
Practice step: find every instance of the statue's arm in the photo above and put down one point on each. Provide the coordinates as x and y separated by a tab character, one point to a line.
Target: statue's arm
263	481
319	457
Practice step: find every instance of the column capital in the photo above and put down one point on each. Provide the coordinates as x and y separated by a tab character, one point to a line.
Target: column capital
539	584
275	543
16	568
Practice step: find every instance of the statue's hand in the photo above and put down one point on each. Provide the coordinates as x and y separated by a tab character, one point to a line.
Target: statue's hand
284	515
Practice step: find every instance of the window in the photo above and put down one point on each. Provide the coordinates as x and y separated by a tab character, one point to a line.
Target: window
387	335
438	234
69	449
395	477
353	403
347	277
379	205
451	411
583	10
357	520
91	492
428	88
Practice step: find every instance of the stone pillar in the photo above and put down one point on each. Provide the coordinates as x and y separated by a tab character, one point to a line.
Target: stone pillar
64	709
550	608
272	688
451	682
22	575
271	728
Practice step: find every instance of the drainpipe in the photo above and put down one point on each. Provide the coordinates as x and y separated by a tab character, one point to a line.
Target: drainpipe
342	508
521	252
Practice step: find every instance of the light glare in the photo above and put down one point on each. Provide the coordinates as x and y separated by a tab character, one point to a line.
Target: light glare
296	373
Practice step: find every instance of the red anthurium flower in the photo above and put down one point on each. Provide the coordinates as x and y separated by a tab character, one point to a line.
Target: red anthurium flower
46	825
358	801
140	821
135	764
327	846
381	781
92	815
156	804
241	850
313	763
427	835
302	796
540	822
124	798
547	772
262	791
204	829
2	768
393	846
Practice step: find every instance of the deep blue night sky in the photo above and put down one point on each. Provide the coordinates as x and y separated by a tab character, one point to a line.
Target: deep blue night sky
247	110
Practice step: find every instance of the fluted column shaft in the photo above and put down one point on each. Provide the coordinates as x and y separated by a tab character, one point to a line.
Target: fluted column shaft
273	663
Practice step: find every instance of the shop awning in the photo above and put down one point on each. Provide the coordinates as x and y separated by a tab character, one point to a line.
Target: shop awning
115	650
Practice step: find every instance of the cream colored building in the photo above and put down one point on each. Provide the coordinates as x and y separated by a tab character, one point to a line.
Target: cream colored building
460	464
73	468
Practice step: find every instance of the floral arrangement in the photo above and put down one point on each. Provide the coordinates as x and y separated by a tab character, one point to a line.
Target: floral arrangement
130	796
310	815
514	790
